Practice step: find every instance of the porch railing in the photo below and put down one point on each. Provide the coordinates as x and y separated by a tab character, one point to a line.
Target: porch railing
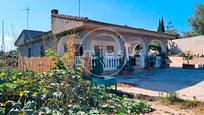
111	63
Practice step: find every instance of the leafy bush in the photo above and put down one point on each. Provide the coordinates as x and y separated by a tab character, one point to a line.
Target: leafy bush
187	56
164	58
60	92
8	59
150	60
97	63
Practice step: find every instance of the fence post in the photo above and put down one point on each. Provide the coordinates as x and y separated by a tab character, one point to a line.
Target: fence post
87	67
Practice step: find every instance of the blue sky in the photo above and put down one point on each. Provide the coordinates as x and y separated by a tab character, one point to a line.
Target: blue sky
137	13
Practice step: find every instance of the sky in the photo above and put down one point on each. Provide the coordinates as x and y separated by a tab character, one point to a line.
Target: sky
136	13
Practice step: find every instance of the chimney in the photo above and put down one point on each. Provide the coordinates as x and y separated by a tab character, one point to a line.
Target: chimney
54	11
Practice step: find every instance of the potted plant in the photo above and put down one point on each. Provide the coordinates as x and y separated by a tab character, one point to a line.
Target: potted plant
150	62
188	56
126	69
164	61
97	68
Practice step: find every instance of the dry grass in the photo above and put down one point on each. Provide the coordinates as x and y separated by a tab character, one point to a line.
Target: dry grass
172	100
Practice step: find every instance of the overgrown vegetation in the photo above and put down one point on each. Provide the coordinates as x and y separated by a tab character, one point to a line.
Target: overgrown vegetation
60	91
8	59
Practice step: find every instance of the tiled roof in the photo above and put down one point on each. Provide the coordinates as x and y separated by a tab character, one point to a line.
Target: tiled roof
77	18
86	19
27	35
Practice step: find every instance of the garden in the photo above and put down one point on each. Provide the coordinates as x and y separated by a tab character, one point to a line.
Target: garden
60	91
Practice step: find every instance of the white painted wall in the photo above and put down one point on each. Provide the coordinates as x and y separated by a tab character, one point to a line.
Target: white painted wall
193	44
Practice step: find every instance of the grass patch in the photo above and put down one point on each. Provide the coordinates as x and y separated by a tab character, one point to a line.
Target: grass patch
172	99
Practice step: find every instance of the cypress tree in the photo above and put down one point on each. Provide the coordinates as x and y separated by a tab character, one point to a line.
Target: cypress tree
159	27
162	26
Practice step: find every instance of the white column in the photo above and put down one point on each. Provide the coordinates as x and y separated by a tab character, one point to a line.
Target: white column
126	51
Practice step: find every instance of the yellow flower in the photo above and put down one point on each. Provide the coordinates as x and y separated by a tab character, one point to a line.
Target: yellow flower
44	90
2	74
34	95
110	94
21	94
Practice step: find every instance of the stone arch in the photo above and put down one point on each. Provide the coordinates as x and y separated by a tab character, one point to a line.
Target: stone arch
88	43
118	45
161	44
138	41
135	41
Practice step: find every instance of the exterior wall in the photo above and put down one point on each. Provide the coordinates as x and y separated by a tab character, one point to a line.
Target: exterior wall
178	61
194	44
131	40
35	48
60	25
104	45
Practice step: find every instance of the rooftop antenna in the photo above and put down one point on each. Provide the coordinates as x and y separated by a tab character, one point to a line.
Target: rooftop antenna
3	43
27	15
79	7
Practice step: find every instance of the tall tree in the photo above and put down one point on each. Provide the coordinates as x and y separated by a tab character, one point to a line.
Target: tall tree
170	29
161	27
197	20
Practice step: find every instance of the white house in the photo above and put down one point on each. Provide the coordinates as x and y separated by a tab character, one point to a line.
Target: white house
110	40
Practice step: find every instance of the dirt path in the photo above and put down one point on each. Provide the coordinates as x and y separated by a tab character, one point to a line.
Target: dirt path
161	109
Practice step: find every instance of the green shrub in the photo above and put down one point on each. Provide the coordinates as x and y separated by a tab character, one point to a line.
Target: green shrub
97	63
63	91
150	60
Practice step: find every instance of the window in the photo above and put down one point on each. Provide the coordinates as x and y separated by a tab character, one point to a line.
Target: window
110	49
29	52
42	51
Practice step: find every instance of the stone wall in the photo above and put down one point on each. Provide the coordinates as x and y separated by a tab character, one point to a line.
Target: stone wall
193	44
178	61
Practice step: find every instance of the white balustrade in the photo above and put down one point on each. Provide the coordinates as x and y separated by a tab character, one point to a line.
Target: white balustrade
111	63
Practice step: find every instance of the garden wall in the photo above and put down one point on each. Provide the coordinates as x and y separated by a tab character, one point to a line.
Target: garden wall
44	64
193	44
36	64
178	61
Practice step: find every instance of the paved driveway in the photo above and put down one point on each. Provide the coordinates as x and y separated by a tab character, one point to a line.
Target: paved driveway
182	81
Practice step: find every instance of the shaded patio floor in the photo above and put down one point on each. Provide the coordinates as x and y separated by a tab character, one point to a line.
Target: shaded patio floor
168	80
